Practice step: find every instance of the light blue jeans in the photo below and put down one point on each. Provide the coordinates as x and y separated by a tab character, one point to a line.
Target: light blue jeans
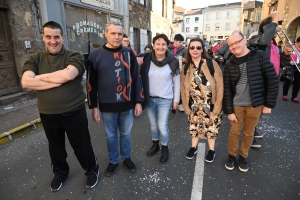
112	121
158	113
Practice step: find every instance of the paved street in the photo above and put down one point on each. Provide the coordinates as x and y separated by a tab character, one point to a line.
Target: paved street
274	169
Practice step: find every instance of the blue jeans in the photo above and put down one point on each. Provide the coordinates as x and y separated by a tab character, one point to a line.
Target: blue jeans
112	121
158	113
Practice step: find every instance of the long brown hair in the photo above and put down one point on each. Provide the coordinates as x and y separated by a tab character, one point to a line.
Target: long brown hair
188	58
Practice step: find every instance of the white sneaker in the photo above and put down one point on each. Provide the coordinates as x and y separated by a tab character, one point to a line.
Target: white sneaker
181	108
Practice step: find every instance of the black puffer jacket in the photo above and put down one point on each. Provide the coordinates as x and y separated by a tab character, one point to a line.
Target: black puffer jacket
262	80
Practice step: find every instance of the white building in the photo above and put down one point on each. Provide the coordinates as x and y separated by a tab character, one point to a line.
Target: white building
219	21
193	23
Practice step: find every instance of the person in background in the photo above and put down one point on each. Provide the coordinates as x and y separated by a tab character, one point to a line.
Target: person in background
179	52
148	48
222	55
126	43
56	75
217	46
115	88
265	41
295	74
279	45
202	94
161	82
250	89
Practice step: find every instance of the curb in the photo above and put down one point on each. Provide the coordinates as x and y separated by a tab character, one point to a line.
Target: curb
20	131
23	129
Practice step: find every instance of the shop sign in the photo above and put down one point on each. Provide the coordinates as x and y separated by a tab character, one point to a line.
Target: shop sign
107	4
83	26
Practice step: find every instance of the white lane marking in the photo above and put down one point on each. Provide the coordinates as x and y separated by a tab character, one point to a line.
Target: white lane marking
199	173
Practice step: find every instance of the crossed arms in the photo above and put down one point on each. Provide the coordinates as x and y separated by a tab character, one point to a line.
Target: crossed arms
49	80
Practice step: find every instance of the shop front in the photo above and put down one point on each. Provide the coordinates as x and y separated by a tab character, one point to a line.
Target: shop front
84	21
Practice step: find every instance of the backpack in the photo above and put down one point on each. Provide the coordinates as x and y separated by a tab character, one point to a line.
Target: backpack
209	64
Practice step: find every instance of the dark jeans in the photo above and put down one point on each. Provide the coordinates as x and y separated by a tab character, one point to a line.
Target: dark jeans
296	86
75	124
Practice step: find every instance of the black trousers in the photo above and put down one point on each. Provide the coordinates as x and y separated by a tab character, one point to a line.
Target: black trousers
75	124
296	85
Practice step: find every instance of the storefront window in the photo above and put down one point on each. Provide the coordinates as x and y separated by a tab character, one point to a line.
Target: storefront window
85	29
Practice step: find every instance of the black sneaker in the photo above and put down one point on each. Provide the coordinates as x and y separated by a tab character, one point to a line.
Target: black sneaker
258	135
230	163
210	157
191	153
243	165
128	164
255	144
56	182
92	179
110	170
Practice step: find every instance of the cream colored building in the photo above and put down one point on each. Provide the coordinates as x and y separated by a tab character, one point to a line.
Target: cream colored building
219	21
289	15
161	17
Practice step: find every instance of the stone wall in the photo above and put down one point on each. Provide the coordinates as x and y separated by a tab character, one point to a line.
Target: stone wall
23	22
139	15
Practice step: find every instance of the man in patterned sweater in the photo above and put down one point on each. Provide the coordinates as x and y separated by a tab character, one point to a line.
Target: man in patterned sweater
114	85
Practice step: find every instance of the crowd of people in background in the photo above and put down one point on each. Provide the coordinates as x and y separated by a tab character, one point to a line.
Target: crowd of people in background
203	79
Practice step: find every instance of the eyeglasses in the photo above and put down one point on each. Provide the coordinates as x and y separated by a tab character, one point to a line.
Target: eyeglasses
197	47
125	40
231	45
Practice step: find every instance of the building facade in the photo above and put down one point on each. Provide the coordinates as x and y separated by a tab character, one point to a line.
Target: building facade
193	23
161	17
177	22
83	23
289	16
139	23
219	21
251	17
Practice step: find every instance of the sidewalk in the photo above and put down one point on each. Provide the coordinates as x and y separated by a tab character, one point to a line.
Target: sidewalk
18	120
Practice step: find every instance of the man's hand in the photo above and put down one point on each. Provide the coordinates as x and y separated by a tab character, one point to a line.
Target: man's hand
232	117
96	115
275	15
266	110
138	109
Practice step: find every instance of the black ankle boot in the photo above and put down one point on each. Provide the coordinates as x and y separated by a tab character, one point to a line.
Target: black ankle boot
164	154
154	149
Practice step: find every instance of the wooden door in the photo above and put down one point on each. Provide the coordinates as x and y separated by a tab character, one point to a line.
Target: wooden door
9	81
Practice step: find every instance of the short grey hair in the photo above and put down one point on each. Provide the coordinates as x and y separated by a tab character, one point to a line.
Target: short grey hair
113	23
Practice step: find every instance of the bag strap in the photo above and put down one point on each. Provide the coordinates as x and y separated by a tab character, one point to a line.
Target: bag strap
209	64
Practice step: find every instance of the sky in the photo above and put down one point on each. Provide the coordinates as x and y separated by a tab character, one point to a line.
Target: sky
189	4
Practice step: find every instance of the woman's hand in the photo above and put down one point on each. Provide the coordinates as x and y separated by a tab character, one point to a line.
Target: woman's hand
175	105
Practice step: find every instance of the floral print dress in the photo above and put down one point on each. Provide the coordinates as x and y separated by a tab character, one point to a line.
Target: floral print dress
200	122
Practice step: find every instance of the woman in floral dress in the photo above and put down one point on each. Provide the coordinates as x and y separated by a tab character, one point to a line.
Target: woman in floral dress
202	95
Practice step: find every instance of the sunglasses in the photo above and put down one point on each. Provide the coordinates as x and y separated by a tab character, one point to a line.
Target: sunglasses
197	47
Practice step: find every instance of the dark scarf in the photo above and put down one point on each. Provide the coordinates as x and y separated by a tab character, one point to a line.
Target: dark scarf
167	60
